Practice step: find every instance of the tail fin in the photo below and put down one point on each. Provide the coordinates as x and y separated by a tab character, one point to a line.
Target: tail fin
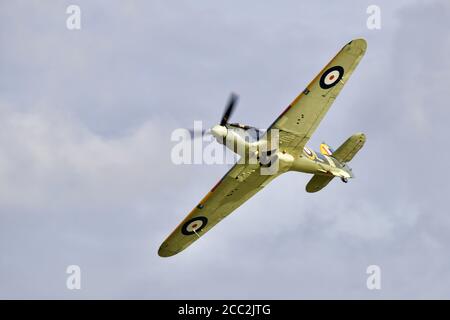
350	147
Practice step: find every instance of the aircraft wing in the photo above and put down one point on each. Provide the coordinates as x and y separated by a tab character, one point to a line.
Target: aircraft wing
301	118
236	187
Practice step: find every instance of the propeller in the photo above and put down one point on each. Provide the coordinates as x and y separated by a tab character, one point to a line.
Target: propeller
229	109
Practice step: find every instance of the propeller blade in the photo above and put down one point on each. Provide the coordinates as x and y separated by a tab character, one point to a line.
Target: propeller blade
229	109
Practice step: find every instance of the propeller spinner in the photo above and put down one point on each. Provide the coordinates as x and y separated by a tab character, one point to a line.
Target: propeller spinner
221	130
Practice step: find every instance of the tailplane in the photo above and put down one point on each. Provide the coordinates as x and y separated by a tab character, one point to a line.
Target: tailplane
343	154
318	182
350	147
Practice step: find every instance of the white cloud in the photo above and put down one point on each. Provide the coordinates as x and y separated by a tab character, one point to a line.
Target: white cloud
85	171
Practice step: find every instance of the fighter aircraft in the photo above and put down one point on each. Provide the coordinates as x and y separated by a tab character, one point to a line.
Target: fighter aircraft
288	151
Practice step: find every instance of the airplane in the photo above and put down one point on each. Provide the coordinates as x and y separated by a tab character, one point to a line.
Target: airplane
288	150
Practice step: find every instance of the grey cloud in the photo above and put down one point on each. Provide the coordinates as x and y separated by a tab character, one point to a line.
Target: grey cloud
85	170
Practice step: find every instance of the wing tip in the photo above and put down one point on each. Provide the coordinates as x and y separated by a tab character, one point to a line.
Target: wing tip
359	43
164	252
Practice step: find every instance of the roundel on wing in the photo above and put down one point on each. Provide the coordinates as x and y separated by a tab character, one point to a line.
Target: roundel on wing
193	225
331	77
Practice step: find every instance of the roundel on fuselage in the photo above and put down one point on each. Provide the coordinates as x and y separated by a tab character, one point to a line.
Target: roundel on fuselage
309	153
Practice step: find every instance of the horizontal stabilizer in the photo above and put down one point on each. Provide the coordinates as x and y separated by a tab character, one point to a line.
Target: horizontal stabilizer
317	183
350	147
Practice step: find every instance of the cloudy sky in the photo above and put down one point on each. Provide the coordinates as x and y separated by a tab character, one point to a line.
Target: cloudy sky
86	176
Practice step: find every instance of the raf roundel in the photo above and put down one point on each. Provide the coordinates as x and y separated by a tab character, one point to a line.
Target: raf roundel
331	77
194	225
309	153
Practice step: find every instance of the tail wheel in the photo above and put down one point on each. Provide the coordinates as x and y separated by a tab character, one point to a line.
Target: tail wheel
344	180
